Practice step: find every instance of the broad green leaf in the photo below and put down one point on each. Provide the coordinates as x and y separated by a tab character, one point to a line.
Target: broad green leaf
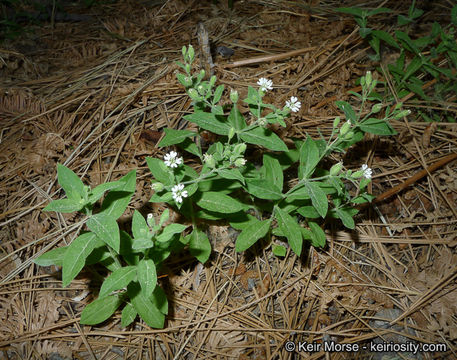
308	212
309	158
218	94
318	238
236	119
273	171
147	276
318	198
345	217
117	280
117	200
189	146
147	310
208	122
52	257
142	243
140	228
412	68
386	37
65	205
263	137
279	250
231	174
348	110
98	192
215	201
291	230
76	254
100	310
251	234
407	42
199	245
160	171
106	229
377	127
128	315
243	222
263	190
173	136
168	232
70	182
164	217
159	299
299	192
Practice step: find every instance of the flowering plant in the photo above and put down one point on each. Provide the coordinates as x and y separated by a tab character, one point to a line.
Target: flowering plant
231	185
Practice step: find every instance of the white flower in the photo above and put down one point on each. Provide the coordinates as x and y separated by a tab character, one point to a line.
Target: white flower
265	84
366	171
293	104
178	193
172	160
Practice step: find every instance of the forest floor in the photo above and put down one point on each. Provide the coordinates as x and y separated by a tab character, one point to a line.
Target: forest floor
96	94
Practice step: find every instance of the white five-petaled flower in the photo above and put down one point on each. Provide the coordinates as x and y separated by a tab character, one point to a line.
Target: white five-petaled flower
366	171
293	104
172	160
178	193
265	84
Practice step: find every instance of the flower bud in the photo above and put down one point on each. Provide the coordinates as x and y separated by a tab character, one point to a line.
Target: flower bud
349	135
191	54
188	68
368	78
376	108
402	113
184	52
234	96
201	89
157	186
239	149
231	133
335	169
202	73
263	122
345	128
212	81
336	122
193	94
240	162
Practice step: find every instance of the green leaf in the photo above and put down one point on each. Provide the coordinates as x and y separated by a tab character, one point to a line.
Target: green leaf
140	228
231	174
128	315
263	137
199	245
345	217
173	136
291	230
251	234
52	257
243	221
100	310
318	198
386	37
454	15
218	94
98	192
147	276
64	205
309	158
117	200
412	68
236	119
318	238
142	243
118	279
263	190
380	10
159	299
169	231
215	201
273	171
189	146
298	192
308	212
160	171
76	255
106	229
407	42
279	250
377	127
348	110
208	122
355	11
70	182
147	310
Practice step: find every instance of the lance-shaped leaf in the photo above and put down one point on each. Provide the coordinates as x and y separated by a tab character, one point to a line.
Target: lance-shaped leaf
318	198
147	276
264	137
263	190
100	310
52	257
106	229
160	171
236	119
273	171
118	279
65	205
169	231
173	136
70	182
98	192
215	201
250	235
145	307
128	315
309	158
199	245
290	229
209	121
117	200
